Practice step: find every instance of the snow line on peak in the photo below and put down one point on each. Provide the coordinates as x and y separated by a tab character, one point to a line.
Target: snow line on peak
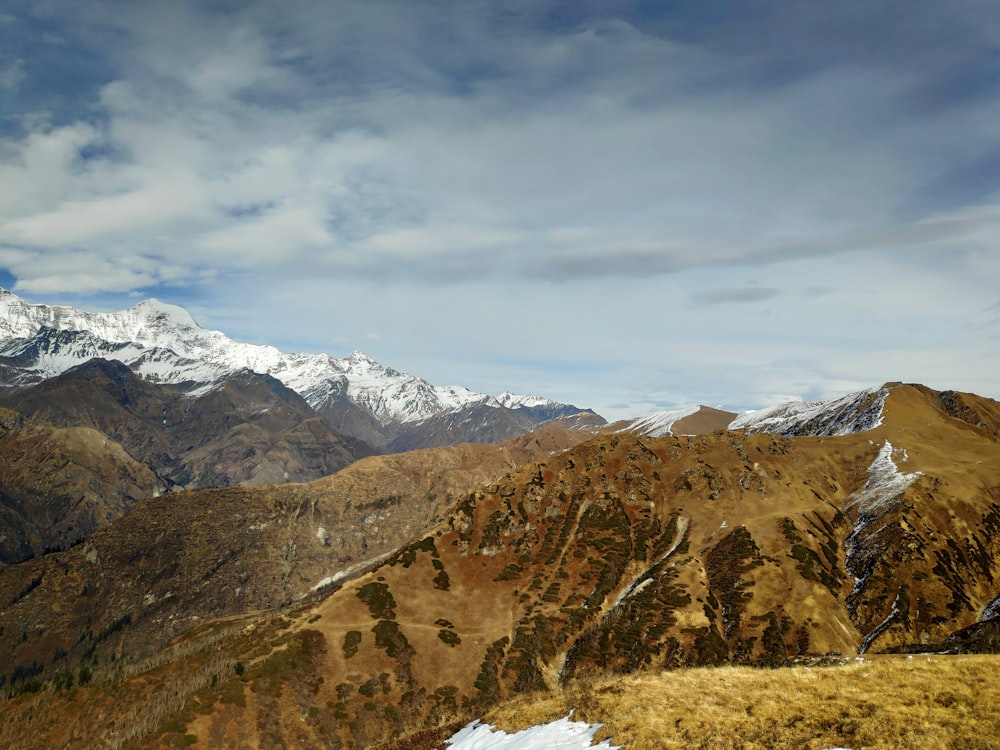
659	423
856	412
163	343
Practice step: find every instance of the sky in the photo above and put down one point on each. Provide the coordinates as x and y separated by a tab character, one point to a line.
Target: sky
629	206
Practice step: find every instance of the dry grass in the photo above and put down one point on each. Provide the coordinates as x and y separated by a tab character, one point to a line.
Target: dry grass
923	702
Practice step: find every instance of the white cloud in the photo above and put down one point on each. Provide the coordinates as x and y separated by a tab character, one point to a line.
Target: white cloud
528	200
12	75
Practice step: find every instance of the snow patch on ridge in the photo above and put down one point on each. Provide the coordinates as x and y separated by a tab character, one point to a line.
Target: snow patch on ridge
885	483
659	423
855	412
561	734
881	493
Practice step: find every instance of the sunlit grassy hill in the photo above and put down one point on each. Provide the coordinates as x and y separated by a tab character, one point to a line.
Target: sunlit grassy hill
579	575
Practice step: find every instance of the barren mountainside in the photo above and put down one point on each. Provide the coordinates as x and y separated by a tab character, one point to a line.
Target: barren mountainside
623	553
249	429
177	559
58	485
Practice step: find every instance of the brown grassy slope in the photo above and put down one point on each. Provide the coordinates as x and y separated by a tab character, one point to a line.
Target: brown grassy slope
173	560
630	553
916	703
624	554
627	553
58	485
928	558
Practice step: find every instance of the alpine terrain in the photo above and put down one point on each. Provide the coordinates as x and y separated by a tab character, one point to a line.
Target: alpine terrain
359	397
404	596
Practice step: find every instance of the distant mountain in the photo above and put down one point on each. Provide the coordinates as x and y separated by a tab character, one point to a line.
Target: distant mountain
163	344
695	420
247	429
855	412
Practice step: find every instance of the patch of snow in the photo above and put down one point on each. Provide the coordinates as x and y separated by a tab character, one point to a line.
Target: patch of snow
880	494
991	610
561	734
659	423
882	626
353	570
643	580
855	412
885	482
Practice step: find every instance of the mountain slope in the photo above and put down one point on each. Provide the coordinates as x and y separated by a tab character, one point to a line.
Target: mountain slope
58	485
620	554
246	429
175	560
163	344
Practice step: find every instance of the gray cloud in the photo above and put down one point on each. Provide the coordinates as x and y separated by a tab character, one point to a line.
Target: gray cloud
734	296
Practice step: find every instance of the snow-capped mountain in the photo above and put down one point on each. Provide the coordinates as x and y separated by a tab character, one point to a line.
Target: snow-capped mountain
693	420
658	423
164	344
855	412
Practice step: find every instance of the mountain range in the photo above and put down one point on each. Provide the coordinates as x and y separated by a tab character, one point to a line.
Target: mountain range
196	551
359	397
406	594
201	410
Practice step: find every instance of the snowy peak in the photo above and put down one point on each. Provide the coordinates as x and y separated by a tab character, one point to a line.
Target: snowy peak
164	344
513	401
855	412
693	420
359	363
658	423
137	324
157	313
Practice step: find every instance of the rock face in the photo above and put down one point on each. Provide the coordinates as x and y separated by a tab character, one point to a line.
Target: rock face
625	552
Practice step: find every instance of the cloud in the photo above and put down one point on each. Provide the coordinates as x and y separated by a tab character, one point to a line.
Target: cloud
734	296
91	273
432	152
585	183
12	75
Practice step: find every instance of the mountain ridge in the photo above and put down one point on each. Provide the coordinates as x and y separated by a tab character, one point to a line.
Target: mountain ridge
623	553
164	344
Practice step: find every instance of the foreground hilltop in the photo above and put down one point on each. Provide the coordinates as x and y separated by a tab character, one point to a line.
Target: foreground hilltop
624	553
